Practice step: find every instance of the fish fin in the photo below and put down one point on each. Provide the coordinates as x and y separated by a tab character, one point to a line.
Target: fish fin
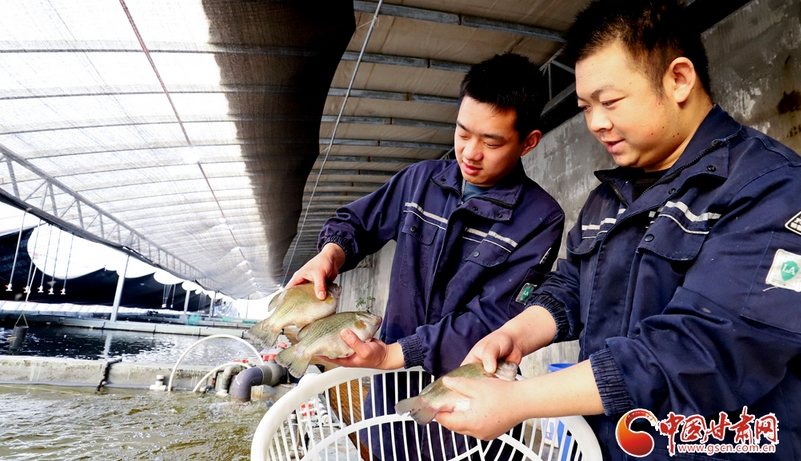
303	331
266	336
417	409
294	360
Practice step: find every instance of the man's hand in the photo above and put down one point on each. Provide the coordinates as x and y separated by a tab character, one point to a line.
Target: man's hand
531	330
320	269
493	410
493	347
370	354
496	405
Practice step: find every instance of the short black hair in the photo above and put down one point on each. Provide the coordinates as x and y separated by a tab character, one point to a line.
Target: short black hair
655	32
508	82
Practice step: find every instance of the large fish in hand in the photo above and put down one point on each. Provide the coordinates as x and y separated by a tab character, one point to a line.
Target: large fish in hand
297	305
436	397
322	338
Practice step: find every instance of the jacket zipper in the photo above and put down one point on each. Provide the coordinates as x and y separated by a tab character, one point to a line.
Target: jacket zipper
715	144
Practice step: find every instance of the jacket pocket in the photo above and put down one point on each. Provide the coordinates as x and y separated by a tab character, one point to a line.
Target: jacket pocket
669	240
421	230
416	250
775	295
587	246
488	254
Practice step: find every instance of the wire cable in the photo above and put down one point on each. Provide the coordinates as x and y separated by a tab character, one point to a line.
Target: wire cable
331	141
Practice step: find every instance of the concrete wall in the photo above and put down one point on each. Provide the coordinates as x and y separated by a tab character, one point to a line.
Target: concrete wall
369	280
755	63
24	370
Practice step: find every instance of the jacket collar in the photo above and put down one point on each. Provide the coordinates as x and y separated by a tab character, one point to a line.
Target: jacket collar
506	193
705	153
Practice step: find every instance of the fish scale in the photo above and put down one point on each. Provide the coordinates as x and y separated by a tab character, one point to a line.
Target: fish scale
322	338
297	305
436	397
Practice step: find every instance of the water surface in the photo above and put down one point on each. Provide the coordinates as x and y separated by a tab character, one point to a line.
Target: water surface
71	424
94	344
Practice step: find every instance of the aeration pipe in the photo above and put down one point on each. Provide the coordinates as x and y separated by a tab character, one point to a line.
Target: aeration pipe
174	368
215	370
268	374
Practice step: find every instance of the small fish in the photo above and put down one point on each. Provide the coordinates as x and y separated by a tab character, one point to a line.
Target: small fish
297	306
322	338
436	397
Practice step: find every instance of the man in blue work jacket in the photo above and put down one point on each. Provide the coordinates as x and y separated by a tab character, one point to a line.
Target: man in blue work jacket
472	233
681	280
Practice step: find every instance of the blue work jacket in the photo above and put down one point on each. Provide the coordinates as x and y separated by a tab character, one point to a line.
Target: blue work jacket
460	270
688	299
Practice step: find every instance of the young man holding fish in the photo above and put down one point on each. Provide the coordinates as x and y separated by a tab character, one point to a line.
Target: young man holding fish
681	278
474	235
470	232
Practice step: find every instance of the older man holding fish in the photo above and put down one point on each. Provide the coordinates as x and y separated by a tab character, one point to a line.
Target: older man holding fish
681	280
474	235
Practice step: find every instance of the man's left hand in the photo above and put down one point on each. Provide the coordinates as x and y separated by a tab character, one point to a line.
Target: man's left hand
370	354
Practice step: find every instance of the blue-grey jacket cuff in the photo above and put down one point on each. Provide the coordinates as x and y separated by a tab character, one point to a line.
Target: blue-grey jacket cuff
557	311
611	386
412	347
340	240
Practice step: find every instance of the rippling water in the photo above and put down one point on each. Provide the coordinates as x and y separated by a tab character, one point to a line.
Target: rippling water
71	424
93	344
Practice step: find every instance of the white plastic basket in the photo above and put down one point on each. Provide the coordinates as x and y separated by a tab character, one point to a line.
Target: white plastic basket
321	417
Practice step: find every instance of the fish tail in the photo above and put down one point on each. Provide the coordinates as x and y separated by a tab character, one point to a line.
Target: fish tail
417	409
295	361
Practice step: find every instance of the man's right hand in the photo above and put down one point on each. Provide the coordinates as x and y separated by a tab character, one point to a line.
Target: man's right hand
320	269
495	346
529	331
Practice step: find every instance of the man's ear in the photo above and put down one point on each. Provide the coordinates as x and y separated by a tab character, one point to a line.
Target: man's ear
680	79
531	141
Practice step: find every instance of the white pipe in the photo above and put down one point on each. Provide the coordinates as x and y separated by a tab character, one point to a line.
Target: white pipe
203	379
174	368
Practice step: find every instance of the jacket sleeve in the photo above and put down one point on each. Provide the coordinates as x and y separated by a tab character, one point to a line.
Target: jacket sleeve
441	347
365	225
559	292
729	333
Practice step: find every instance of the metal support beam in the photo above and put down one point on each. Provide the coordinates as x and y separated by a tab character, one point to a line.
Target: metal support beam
137	90
383	143
189	120
70	211
443	17
408	61
216	49
118	293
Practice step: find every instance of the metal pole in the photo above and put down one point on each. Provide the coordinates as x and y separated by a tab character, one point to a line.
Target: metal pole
16	253
118	294
186	301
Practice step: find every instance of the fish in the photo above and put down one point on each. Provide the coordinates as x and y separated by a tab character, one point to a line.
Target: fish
322	338
436	397
297	305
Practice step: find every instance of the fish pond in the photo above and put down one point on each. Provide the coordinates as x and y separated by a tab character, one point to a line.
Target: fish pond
47	422
70	424
43	340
